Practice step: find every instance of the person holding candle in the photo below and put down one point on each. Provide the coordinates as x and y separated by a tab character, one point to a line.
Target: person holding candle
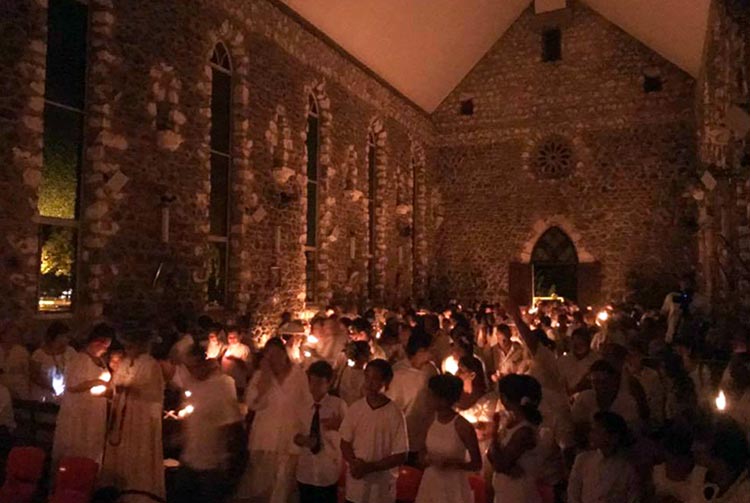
273	395
216	347
574	366
82	421
236	359
48	364
509	357
351	376
451	439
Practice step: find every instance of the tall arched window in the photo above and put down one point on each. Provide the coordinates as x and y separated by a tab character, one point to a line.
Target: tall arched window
371	194
221	165
59	191
311	242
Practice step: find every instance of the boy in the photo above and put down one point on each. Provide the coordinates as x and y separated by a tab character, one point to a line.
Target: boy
374	440
319	464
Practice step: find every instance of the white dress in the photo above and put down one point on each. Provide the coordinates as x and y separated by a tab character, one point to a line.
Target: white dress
134	457
270	476
444	485
523	489
14	364
82	420
50	367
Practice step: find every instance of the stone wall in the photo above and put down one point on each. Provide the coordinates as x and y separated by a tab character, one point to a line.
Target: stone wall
722	195
146	146
575	143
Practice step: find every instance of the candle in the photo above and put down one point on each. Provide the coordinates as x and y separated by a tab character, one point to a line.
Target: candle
186	411
602	316
311	339
450	365
307	354
721	401
350	362
105	376
58	385
188	393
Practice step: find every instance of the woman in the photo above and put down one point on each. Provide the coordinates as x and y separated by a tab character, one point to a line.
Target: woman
14	361
513	452
134	455
82	420
679	478
726	455
477	404
450	440
48	364
275	392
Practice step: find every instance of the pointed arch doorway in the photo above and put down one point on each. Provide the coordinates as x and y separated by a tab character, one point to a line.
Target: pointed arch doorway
554	265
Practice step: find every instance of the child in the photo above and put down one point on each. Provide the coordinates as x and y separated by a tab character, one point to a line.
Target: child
604	473
512	451
319	464
374	440
449	439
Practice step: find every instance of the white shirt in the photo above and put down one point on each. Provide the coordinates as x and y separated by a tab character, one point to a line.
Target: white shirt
215	407
408	390
324	468
237	371
739	410
573	370
374	434
585	406
682	490
181	347
598	479
6	409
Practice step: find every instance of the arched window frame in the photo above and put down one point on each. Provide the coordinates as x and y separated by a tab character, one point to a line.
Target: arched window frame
218	238
312	172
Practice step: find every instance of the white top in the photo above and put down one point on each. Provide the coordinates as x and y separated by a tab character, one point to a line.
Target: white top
444	485
597	479
699	305
374	434
350	385
681	490
655	393
408	390
215	407
544	368
511	362
324	468
236	371
215	349
585	406
180	348
573	370
6	409
51	367
15	370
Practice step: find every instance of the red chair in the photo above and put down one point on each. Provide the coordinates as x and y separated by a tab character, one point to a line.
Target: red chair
75	480
407	484
342	483
547	492
479	488
22	474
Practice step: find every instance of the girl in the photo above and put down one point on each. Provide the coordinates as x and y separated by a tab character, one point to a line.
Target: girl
134	455
604	473
449	439
82	420
48	364
512	451
275	393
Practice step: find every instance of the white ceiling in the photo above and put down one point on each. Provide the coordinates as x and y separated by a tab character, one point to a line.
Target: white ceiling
424	48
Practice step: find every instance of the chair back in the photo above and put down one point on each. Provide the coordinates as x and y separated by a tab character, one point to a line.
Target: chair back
25	464
407	484
478	487
75	480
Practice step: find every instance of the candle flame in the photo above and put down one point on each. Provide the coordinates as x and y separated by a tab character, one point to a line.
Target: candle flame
450	365
721	401
186	411
602	316
188	393
307	354
311	339
99	389
58	385
350	363
105	376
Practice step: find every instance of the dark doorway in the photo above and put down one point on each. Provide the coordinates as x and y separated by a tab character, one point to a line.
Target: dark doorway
555	265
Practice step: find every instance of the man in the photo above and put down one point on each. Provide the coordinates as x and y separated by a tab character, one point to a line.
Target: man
574	366
409	390
509	355
684	309
214	447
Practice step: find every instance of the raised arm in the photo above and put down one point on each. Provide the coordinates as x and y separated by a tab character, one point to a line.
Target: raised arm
523	329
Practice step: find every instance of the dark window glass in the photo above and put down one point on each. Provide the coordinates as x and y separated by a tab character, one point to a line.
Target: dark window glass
56	267
221	90
312	147
467	107
58	192
652	84
310	275
220	57
312	210
67	23
219	191
552	45
217	273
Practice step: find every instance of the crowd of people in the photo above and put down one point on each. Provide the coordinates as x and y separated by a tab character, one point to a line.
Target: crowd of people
549	402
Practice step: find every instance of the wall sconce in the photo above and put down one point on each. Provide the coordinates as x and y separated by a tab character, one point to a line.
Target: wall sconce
166	201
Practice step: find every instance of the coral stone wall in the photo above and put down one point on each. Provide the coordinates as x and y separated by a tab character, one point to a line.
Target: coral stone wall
575	143
147	148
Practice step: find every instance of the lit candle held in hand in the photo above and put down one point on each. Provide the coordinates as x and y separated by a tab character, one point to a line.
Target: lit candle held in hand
721	401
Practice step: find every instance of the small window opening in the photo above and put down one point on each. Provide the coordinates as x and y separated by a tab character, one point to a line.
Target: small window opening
652	84
467	106
551	45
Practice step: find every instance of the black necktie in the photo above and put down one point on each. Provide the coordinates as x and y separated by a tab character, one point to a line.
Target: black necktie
315	431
